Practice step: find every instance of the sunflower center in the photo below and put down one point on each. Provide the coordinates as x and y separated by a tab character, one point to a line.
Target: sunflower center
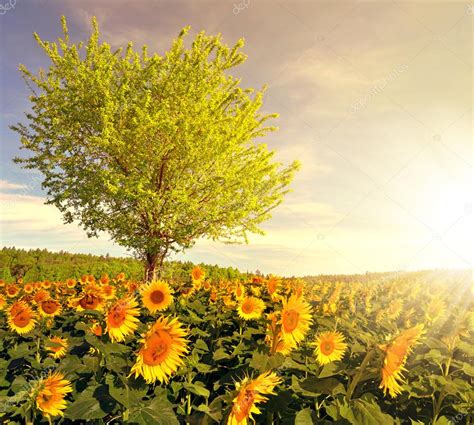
22	319
271	287
327	347
157	348
290	320
247	307
243	405
107	290
49	307
116	316
46	396
157	297
89	302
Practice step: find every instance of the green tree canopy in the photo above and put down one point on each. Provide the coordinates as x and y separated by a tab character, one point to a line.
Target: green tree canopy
157	151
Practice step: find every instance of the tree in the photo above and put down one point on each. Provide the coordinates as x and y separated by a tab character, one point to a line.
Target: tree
157	151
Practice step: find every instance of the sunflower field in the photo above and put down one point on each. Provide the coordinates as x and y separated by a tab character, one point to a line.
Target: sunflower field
108	350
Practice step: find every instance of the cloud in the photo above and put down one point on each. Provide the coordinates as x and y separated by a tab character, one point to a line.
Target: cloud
6	185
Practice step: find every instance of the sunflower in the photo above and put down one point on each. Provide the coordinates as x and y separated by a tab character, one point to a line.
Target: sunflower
12	290
28	288
49	308
108	291
213	296
251	392
96	329
71	283
91	299
50	394
197	274
57	346
41	295
396	353
163	348
330	347
295	318
46	284
395	309
21	318
187	292
122	319
250	308
436	309
239	292
3	302
228	301
131	286
156	296
272	285
284	346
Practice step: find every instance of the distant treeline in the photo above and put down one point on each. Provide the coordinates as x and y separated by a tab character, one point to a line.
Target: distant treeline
41	264
449	276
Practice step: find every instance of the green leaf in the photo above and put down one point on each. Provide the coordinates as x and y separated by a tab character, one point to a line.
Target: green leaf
201	345
263	362
220	354
443	420
303	417
364	412
468	369
159	411
329	369
92	403
21	350
322	386
111	349
289	363
197	388
124	392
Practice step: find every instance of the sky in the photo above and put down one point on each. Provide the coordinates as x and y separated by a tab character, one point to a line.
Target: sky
375	100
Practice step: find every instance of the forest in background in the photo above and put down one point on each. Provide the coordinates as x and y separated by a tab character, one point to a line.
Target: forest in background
41	264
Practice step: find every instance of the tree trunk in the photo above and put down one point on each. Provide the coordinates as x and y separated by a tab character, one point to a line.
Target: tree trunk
150	267
154	265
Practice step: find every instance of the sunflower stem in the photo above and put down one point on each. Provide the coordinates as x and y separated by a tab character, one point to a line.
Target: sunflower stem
38	344
188	396
358	375
437	405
